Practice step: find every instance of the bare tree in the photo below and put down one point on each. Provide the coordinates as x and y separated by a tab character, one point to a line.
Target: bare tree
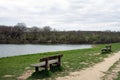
34	29
47	28
20	27
19	30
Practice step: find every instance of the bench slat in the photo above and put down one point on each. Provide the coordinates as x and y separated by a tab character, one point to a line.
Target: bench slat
43	63
50	58
38	64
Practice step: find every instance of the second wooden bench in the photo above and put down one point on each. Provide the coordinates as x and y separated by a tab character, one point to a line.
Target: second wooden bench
106	49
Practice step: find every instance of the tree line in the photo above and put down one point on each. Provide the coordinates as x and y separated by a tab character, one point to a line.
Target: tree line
21	34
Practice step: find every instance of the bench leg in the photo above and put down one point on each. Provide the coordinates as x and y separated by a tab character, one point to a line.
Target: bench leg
50	66
46	67
36	69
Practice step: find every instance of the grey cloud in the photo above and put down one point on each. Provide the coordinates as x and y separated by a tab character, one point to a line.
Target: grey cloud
75	14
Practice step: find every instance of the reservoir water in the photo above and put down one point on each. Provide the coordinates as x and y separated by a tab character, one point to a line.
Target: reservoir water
22	49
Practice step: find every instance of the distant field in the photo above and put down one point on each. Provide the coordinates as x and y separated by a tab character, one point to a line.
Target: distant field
73	60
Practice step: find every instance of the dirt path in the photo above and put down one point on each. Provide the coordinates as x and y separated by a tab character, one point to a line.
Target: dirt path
113	72
25	75
95	72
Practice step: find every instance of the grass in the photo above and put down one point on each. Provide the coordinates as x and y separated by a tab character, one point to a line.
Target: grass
73	60
118	78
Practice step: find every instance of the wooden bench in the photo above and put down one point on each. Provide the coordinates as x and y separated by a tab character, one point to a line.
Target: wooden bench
106	49
47	62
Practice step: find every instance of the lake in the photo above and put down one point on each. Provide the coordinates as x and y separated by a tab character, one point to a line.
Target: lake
22	49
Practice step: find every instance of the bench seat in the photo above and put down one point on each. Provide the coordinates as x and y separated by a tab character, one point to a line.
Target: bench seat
43	63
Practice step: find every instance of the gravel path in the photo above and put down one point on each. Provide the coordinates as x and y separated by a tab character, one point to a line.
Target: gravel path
95	72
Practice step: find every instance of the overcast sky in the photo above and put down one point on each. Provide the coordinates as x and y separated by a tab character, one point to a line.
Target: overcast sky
62	14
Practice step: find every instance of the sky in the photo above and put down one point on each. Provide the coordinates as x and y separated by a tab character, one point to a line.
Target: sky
88	15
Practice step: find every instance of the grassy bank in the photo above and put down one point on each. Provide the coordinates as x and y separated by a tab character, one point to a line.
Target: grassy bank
73	60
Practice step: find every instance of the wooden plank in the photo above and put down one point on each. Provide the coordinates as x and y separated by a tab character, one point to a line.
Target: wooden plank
50	58
38	64
52	61
43	63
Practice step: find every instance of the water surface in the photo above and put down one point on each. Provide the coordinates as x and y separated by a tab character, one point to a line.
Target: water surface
13	50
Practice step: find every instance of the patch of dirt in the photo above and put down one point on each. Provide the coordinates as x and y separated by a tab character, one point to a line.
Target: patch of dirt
94	54
25	75
8	76
84	63
95	72
27	68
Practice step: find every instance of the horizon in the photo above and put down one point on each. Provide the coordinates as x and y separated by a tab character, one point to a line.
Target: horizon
52	29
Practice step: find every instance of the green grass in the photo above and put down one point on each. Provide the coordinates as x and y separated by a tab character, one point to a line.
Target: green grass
118	78
73	60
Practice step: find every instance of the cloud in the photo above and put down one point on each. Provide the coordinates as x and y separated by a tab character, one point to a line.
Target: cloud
62	14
